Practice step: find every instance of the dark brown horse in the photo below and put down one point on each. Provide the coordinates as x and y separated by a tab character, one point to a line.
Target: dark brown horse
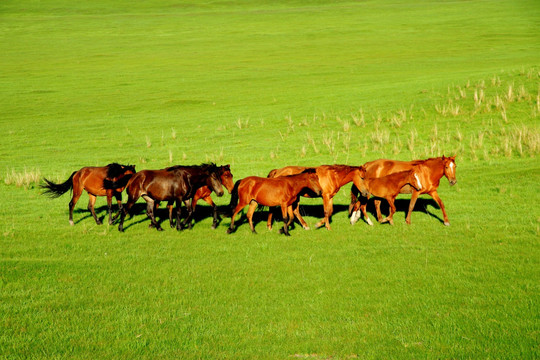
281	191
388	187
430	172
94	180
204	193
174	185
331	178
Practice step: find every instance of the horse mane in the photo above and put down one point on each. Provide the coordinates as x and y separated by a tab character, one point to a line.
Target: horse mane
115	170
421	162
204	167
339	167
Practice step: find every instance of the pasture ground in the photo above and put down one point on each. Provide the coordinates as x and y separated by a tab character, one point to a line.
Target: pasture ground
260	86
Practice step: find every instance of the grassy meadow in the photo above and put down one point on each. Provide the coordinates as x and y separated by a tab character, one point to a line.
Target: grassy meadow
261	85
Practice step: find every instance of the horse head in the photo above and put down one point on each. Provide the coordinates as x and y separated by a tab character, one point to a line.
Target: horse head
226	177
313	183
450	169
358	180
214	180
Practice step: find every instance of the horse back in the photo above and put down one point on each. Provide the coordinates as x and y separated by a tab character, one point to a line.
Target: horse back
266	191
91	179
287	170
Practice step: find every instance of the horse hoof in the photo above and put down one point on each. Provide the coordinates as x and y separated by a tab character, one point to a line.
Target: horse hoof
229	231
307	228
159	229
71	222
369	222
446	223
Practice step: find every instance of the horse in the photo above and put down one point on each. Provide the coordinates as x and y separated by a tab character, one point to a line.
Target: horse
430	172
331	178
204	193
94	180
176	184
281	191
388	187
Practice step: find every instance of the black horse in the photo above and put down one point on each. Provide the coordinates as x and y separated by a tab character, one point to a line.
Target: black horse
174	185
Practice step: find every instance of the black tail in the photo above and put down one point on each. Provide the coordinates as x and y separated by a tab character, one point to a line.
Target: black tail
354	197
234	197
55	190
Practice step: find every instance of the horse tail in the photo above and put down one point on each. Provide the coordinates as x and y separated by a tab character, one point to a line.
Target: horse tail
234	196
55	190
354	197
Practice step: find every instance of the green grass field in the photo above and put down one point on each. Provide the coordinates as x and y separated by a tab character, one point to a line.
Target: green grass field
261	85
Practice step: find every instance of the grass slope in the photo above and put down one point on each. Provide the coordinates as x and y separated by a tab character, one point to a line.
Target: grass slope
262	85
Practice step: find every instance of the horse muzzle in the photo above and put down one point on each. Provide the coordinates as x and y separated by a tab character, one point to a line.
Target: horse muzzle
219	193
452	182
364	193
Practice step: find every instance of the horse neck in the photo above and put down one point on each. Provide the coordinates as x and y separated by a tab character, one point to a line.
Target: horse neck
348	177
436	167
299	182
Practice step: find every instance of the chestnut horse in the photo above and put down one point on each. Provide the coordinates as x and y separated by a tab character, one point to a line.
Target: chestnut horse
204	193
388	187
430	172
331	178
94	180
175	185
282	191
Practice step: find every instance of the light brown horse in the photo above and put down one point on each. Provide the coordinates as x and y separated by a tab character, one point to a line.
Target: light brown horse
331	178
95	181
430	172
175	185
282	191
204	193
388	187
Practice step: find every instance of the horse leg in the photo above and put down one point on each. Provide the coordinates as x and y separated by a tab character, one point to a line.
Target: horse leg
180	225
131	201
215	215
435	196
170	208
150	205
390	218
411	206
378	209
91	203
187	219
252	207
295	211
284	213
269	222
328	207
118	197
77	191
239	207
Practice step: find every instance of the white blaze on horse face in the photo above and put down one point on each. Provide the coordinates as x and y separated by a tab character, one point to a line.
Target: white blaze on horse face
418	180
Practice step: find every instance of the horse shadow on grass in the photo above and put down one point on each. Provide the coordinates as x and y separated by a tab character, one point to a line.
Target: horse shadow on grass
161	214
317	211
261	215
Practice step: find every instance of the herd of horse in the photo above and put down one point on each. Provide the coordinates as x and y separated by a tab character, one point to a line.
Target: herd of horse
379	179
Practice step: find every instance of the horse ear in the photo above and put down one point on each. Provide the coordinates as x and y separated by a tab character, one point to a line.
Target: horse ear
443	157
453	157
